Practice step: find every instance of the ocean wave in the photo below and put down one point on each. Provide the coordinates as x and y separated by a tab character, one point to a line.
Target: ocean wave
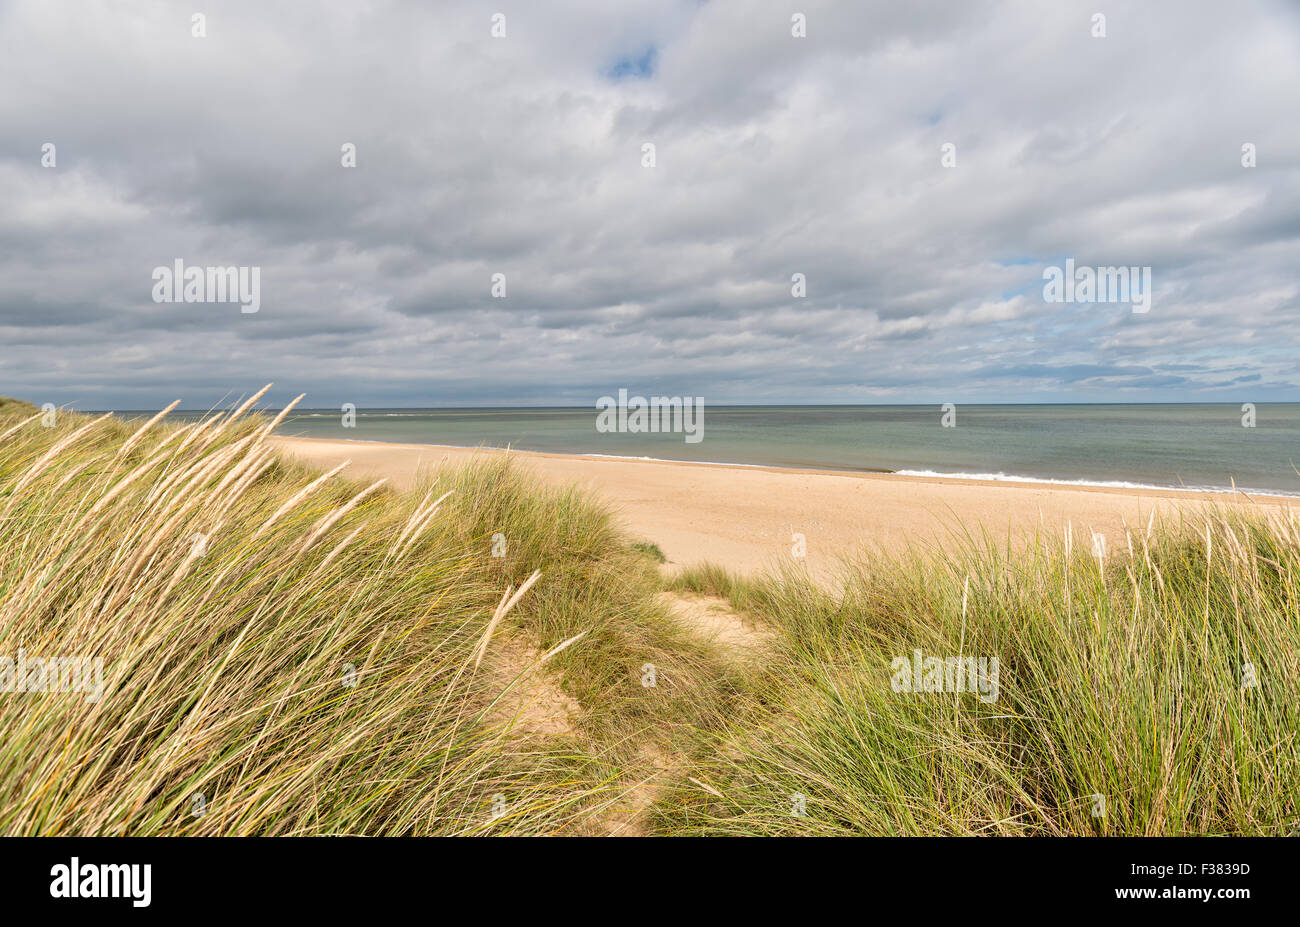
1104	484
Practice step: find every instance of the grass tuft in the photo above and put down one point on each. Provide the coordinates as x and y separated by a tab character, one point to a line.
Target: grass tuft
288	652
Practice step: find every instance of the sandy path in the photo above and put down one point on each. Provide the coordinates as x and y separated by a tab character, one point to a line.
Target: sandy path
749	518
715	620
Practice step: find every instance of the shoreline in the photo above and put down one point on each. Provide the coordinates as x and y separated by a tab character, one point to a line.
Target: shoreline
751	517
1212	493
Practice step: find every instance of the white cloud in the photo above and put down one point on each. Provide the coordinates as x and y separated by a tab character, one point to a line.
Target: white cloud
522	156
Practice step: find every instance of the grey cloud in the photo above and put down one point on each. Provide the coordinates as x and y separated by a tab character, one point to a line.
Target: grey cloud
522	156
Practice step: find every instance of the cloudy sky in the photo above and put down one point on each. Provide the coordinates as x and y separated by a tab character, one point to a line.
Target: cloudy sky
775	155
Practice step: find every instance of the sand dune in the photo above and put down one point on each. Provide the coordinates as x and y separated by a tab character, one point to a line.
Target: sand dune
750	518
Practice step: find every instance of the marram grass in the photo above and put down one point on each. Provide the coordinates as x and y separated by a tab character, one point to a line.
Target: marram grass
290	652
1153	691
281	653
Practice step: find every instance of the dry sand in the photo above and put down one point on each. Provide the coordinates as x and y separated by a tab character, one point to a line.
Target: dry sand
746	518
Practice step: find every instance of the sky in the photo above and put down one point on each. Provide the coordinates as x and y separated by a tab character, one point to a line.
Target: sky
523	155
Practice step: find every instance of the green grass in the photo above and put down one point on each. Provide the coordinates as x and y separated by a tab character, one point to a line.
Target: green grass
305	654
227	661
1121	679
15	407
651	550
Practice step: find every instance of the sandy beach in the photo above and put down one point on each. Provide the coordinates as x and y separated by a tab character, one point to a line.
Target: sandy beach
748	518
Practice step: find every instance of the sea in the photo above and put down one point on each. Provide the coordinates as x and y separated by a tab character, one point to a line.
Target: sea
1174	446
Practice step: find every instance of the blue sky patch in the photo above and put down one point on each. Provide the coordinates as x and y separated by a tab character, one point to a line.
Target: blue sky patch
634	67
